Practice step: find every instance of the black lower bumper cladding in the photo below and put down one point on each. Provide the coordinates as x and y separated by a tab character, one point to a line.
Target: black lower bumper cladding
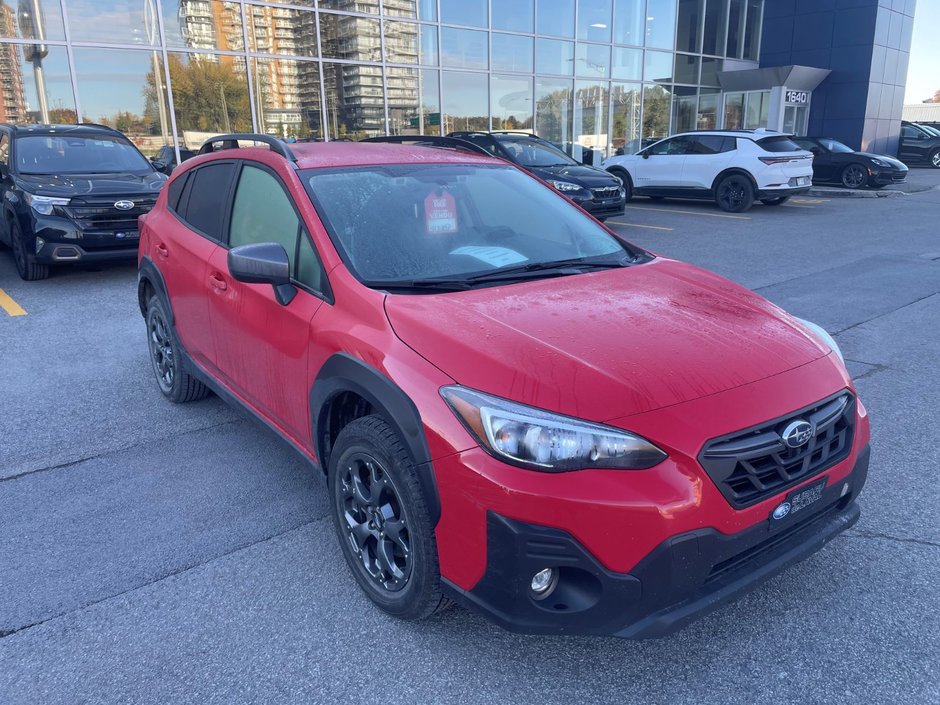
683	578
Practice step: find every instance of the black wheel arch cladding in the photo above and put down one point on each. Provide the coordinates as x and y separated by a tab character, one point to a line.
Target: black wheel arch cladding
344	373
149	275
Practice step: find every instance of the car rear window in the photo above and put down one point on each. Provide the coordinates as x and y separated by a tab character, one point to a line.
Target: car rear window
778	144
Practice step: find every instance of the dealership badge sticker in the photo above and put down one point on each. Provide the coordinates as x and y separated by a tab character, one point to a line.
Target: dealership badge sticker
440	214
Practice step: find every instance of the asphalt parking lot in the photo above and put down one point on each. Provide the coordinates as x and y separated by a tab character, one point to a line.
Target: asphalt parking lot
153	553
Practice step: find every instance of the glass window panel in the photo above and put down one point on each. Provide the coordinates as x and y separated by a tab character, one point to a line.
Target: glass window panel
24	72
124	21
125	89
263	212
20	21
468	12
716	20
512	52
625	101
758	110
556	17
734	111
594	20
365	6
661	24
463	48
658	67
710	68
592	60
303	3
752	29
210	96
310	270
465	101
684	106
735	29
707	110
689	30
287	97
278	30
629	22
514	15
355	104
553	109
409	43
686	69
554	56
591	105
414	102
201	24
512	102
350	37
420	10
628	64
657	101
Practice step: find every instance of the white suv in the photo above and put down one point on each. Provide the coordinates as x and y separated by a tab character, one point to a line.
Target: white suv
733	167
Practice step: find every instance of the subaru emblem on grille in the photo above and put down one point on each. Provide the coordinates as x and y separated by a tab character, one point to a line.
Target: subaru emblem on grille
124	205
781	511
798	433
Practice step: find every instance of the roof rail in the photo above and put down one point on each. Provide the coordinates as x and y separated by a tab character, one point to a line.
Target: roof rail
274	143
431	141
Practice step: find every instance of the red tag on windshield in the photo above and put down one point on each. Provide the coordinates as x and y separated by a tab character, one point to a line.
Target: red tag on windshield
440	214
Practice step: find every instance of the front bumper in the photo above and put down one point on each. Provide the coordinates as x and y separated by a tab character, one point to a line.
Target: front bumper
886	177
603	208
684	577
63	241
783	191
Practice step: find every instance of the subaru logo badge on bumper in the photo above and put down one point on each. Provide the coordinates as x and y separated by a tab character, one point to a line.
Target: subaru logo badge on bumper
781	511
124	205
798	433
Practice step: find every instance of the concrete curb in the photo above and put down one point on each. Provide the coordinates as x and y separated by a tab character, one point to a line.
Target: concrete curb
825	192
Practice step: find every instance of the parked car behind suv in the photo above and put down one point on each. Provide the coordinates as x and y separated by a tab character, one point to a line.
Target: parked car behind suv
919	145
165	160
71	193
591	188
733	167
837	163
513	406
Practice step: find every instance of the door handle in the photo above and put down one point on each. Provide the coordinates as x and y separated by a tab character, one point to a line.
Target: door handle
162	251
217	282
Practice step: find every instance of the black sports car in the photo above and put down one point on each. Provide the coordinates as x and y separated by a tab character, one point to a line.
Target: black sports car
836	163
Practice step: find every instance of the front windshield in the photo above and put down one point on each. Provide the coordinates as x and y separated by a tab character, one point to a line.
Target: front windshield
413	222
77	154
931	130
532	153
836	146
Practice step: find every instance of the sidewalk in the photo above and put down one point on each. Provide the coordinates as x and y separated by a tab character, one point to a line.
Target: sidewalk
919	179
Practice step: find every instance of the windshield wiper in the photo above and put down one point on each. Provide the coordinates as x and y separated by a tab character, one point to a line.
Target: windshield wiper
534	270
433	284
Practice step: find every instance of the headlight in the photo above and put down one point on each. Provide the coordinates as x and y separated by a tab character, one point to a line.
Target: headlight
540	440
44	205
878	162
565	186
824	336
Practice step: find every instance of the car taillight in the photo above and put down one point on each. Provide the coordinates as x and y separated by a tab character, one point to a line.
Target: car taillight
776	160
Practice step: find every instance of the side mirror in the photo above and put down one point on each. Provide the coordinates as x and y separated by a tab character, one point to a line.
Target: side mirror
161	166
263	263
645	154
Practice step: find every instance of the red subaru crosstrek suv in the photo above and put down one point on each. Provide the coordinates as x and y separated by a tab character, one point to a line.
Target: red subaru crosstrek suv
514	408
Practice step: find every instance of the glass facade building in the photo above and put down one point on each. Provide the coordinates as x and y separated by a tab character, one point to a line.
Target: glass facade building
603	74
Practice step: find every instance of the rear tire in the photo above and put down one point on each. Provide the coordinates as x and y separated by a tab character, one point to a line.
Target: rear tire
734	194
382	520
176	383
935	159
26	267
854	176
779	201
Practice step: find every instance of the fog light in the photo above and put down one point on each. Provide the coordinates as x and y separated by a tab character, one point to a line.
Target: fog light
845	490
543	582
40	243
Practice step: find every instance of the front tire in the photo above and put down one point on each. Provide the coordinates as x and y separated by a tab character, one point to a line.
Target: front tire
625	180
176	383
854	176
735	194
779	201
382	520
26	267
935	159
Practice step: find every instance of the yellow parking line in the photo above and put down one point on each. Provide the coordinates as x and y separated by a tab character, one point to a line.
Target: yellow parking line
637	225
810	200
706	215
791	205
9	305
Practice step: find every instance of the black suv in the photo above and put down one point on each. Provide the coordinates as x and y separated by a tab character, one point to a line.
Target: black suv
165	160
596	191
919	145
71	193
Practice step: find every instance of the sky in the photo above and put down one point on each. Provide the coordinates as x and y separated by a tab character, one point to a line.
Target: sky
923	73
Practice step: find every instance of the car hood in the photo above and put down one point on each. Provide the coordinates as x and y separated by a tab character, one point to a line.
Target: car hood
78	185
608	344
890	160
586	176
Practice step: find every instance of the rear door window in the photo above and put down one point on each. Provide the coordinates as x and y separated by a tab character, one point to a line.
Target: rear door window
778	144
206	196
711	144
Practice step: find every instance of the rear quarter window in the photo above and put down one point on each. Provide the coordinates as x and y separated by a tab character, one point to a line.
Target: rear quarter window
778	144
175	190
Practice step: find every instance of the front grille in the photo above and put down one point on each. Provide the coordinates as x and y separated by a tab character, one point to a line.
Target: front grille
606	192
99	215
899	176
751	465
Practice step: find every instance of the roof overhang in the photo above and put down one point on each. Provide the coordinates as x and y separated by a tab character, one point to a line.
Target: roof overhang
795	78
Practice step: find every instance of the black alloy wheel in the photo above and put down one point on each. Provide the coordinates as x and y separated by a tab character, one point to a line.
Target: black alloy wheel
854	176
735	194
174	380
25	266
935	159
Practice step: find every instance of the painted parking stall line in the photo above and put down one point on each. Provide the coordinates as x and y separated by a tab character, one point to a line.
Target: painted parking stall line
653	209
638	225
10	306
